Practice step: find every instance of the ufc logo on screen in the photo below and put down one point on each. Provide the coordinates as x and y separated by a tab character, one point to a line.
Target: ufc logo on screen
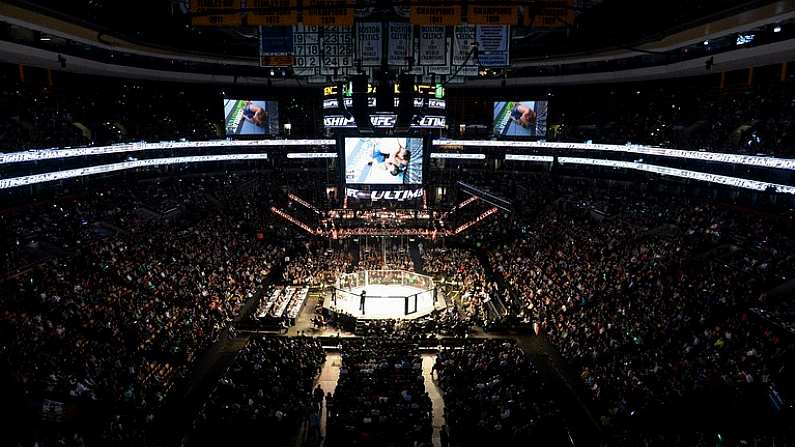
383	121
432	121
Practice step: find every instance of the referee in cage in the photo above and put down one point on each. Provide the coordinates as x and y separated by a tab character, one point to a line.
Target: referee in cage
361	301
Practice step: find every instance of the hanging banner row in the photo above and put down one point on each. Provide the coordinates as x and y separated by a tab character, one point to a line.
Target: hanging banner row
540	14
330	50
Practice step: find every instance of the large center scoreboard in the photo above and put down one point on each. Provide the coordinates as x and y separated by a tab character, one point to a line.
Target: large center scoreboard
428	108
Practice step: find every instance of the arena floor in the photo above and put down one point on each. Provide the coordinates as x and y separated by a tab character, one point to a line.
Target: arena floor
383	302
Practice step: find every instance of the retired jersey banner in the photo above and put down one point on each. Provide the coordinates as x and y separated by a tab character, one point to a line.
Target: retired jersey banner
328	12
493	45
436	15
369	43
464	38
433	46
549	14
216	13
272	12
400	43
493	14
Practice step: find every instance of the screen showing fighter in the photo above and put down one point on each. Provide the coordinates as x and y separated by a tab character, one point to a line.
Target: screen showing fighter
520	118
383	161
249	117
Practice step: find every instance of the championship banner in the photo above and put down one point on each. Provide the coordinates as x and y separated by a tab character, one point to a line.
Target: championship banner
306	50
400	43
433	46
369	41
492	15
435	15
328	12
416	69
493	45
272	12
336	49
276	46
216	13
549	14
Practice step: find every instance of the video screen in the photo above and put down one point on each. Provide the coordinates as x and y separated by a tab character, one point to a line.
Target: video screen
383	161
249	117
520	119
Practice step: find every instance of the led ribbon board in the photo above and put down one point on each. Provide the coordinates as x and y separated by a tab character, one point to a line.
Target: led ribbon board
55	153
683	173
101	169
749	160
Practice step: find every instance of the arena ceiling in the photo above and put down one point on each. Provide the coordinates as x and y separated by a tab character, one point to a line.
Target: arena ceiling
597	24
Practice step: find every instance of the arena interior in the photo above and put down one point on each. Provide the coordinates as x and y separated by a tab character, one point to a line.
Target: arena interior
360	223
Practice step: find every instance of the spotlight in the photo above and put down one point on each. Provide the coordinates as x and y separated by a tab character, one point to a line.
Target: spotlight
706	42
777	29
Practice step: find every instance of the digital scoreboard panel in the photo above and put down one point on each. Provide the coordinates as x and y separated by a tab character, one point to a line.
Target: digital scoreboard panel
383	160
428	111
520	119
251	117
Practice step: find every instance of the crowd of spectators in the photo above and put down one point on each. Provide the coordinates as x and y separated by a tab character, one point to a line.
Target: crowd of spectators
447	323
459	271
120	316
267	392
380	398
316	266
74	111
393	258
494	395
319	266
107	302
695	116
626	288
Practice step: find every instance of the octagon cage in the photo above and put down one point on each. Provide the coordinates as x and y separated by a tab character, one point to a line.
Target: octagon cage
389	293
